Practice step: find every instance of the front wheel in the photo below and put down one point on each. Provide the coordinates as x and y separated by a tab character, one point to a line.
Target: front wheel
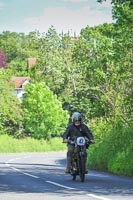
74	170
82	168
74	177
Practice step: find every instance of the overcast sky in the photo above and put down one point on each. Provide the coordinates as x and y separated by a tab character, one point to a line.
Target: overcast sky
73	15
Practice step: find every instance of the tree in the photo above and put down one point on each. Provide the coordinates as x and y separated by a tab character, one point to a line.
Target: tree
43	113
100	1
92	53
18	47
55	66
10	107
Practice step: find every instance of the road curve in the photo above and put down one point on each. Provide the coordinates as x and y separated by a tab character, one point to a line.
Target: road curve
41	176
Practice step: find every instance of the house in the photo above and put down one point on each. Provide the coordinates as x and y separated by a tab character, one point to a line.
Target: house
20	82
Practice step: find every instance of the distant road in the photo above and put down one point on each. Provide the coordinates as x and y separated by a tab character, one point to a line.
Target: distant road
40	176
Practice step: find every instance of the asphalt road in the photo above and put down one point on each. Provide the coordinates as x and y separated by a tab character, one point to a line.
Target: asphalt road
40	176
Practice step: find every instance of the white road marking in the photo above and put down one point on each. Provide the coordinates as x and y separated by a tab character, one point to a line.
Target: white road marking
97	197
16	169
30	175
63	186
7	164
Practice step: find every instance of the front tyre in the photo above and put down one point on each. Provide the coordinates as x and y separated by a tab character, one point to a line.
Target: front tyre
74	177
82	168
74	170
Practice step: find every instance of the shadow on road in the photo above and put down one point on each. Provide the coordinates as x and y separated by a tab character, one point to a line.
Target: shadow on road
16	178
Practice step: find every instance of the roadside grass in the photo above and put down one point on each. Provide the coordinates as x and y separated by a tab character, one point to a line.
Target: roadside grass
8	144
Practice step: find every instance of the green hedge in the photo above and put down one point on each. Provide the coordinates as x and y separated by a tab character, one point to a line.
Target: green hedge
113	148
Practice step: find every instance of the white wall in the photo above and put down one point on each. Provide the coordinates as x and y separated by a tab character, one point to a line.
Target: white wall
19	92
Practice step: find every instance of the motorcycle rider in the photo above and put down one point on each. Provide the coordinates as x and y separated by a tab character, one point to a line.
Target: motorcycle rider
74	129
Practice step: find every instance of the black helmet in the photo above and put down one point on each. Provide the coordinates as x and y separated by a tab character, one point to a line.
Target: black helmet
76	117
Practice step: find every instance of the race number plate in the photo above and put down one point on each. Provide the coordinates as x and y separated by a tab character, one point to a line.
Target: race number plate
81	141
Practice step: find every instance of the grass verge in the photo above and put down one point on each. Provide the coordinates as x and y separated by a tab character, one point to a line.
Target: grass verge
9	144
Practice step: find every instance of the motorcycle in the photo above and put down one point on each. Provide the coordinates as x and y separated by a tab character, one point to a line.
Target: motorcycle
78	164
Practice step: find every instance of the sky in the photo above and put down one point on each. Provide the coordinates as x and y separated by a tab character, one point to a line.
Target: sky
65	15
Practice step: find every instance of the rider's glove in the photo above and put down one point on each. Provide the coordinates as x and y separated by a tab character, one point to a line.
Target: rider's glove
65	140
92	141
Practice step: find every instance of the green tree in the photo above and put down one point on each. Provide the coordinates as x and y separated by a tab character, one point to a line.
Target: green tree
18	47
55	66
123	55
10	109
43	113
92	53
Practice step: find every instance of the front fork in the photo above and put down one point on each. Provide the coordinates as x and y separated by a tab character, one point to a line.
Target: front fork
76	160
82	156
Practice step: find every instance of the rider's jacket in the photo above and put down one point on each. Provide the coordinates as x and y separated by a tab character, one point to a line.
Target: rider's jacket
73	131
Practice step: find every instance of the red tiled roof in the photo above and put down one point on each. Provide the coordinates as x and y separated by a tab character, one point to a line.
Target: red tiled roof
19	81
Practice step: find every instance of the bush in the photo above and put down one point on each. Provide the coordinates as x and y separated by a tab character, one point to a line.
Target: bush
121	161
43	113
113	148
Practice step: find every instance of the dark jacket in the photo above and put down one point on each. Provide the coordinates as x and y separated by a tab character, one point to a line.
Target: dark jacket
73	131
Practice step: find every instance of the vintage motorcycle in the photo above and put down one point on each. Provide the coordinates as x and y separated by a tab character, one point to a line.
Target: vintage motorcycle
78	167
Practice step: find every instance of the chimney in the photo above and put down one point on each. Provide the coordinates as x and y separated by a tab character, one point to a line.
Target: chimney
31	62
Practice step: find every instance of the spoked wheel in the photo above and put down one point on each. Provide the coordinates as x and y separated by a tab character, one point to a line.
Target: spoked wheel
74	176
74	170
82	168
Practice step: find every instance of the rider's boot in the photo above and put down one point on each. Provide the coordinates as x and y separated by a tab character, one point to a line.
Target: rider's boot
69	159
67	170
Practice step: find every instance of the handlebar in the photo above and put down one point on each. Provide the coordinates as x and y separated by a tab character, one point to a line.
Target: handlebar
68	141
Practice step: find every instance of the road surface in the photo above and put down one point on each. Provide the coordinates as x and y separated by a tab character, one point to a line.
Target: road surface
39	176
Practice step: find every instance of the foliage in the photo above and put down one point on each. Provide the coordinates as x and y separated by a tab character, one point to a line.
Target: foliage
15	145
2	59
123	56
121	161
43	113
18	67
100	1
18	48
91	74
10	109
114	144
